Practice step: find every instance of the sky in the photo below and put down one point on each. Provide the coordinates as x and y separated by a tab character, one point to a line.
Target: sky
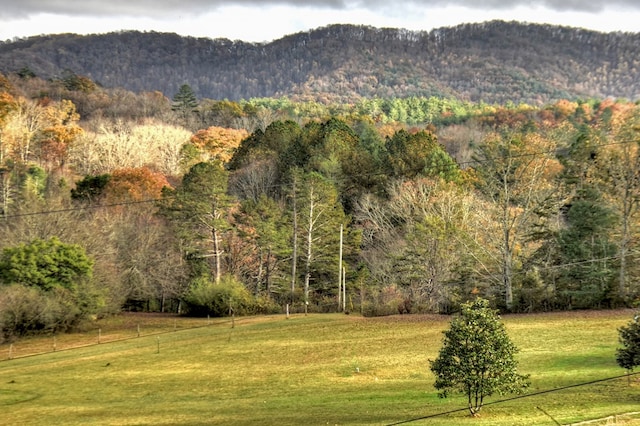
263	21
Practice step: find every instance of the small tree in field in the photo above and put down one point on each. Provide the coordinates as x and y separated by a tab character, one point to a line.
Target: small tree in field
628	357
477	357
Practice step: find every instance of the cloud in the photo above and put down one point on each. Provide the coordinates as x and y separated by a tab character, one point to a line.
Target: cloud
144	8
169	8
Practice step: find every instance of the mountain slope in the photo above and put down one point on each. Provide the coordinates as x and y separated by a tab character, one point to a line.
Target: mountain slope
493	62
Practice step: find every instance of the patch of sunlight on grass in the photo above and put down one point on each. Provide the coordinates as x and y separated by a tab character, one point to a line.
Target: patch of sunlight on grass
316	369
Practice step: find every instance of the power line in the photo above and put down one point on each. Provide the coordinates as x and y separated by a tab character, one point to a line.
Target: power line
502	401
436	170
89	207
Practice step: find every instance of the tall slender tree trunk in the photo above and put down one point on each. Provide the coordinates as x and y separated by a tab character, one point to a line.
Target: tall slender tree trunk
294	255
217	255
507	272
268	271
507	252
622	288
5	192
628	204
309	254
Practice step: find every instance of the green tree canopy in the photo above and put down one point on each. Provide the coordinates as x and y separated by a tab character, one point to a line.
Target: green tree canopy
419	154
90	188
266	223
47	264
477	357
199	208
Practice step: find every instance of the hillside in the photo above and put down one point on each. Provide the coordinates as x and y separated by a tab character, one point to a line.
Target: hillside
492	62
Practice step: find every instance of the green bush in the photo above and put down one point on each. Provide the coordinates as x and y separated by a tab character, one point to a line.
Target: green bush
266	305
45	286
222	299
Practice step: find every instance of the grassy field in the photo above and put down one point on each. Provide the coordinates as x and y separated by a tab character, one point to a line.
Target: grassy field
314	370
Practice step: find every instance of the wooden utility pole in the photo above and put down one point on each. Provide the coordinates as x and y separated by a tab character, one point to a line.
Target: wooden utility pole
340	271
344	289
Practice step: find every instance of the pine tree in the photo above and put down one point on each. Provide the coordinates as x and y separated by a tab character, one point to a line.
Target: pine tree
184	102
199	208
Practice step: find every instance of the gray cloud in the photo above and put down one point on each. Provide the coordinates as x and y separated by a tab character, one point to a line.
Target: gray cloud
168	8
556	5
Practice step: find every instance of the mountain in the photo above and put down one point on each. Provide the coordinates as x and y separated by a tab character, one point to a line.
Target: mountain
494	62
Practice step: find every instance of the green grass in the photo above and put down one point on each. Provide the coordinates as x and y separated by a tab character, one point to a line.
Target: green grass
314	370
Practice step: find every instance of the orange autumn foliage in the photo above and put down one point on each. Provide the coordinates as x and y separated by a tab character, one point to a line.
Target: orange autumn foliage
135	184
7	105
62	131
218	143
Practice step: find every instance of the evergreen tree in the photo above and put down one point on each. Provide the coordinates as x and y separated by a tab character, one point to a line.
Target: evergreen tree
628	357
477	357
265	223
184	102
417	155
46	264
199	208
586	252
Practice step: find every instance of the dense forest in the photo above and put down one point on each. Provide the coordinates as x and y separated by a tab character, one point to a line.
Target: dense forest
116	200
494	62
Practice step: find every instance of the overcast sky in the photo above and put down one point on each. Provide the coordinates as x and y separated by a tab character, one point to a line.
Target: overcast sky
252	20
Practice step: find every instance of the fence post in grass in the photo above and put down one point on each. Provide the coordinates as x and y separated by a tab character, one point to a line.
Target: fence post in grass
54	342
158	342
287	311
99	334
138	328
208	320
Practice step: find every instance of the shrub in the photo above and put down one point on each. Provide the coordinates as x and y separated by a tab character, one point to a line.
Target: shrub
228	297
27	310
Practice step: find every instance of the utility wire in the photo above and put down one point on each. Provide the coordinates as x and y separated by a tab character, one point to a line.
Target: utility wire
360	175
533	154
87	207
502	401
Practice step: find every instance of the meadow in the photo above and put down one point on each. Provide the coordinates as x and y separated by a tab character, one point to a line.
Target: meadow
328	369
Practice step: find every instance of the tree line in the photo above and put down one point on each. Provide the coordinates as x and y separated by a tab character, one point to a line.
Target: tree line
494	62
534	209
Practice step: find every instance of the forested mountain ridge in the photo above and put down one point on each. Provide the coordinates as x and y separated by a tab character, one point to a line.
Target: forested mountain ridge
494	62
